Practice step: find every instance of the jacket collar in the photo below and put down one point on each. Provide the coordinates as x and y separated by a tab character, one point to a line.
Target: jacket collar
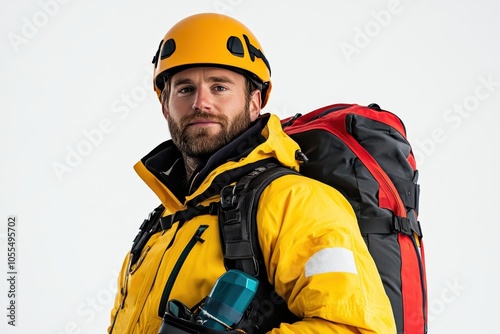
164	172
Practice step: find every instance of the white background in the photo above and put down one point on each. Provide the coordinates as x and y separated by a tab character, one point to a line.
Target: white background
73	69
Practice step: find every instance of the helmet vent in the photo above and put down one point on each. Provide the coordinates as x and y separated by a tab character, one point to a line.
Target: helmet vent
235	46
168	49
155	58
254	52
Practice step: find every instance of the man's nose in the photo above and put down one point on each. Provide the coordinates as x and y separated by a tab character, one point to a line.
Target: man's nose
203	99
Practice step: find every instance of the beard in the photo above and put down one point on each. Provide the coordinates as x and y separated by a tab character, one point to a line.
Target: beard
202	143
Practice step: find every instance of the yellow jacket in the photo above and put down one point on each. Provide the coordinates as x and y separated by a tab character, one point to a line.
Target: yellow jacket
315	255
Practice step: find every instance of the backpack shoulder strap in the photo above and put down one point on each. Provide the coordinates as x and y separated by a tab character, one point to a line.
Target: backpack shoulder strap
148	227
237	218
241	248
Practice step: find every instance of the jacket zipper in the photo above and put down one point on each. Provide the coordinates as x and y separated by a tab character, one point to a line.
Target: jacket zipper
129	272
177	267
124	295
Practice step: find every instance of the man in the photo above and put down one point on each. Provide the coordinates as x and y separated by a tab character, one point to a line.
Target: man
212	79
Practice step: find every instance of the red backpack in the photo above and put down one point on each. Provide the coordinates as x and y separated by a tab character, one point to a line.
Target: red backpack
363	152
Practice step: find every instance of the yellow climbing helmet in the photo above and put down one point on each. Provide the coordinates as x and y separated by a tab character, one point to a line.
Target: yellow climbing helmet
211	39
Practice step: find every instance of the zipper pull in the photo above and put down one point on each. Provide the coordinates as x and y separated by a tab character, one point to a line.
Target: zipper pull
199	232
291	120
124	289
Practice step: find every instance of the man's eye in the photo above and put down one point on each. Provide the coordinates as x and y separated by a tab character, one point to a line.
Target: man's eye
185	90
220	88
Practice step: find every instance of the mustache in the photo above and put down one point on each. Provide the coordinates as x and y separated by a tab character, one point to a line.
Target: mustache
203	116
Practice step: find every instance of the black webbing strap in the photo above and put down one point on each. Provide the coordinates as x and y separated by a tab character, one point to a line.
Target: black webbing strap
387	225
241	248
226	178
408	190
148	227
237	211
155	223
189	213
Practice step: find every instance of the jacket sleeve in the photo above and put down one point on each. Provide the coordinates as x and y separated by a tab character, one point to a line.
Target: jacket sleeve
318	261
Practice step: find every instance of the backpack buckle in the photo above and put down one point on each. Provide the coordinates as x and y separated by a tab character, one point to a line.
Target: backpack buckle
228	197
402	225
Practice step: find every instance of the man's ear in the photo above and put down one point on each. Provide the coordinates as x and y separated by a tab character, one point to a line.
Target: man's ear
255	103
164	110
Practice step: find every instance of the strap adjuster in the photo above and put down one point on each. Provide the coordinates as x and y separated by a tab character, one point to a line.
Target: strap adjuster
228	197
167	222
402	225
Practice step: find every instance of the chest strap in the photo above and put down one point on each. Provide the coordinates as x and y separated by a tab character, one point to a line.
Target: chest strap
156	223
